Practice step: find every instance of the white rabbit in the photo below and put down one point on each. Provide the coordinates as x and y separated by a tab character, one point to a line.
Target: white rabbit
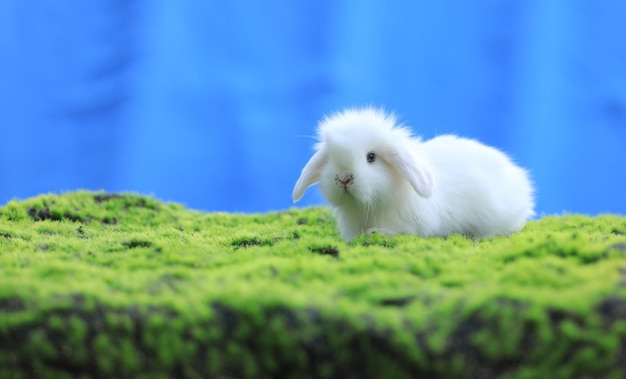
377	177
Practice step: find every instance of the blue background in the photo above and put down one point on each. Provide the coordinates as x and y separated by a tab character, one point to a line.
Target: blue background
212	103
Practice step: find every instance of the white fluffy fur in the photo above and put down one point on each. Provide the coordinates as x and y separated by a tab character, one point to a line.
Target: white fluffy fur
434	188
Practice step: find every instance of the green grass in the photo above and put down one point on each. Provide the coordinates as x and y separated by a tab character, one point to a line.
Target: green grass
122	285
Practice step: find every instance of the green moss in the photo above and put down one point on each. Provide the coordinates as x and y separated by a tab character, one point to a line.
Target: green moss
118	285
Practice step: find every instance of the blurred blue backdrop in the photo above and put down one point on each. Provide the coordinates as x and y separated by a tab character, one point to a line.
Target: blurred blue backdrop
212	103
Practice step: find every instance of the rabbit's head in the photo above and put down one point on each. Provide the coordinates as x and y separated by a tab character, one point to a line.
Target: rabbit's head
363	157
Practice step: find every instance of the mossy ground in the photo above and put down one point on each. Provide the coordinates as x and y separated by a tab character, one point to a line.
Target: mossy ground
121	285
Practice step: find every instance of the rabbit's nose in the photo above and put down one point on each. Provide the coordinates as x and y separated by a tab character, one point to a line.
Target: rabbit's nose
344	180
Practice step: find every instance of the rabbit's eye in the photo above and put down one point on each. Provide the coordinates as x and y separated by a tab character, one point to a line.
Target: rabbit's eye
371	157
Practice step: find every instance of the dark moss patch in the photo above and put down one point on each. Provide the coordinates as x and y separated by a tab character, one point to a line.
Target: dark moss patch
325	250
6	235
109	220
246	241
42	214
72	217
104	197
47	214
12	304
621	246
140	202
128	200
558	316
251	241
382	243
398	301
133	243
612	309
589	259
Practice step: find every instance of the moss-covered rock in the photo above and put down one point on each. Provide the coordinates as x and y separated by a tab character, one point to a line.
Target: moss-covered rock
121	285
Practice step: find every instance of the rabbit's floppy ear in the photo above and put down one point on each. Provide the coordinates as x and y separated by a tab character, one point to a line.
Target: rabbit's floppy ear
310	173
418	175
